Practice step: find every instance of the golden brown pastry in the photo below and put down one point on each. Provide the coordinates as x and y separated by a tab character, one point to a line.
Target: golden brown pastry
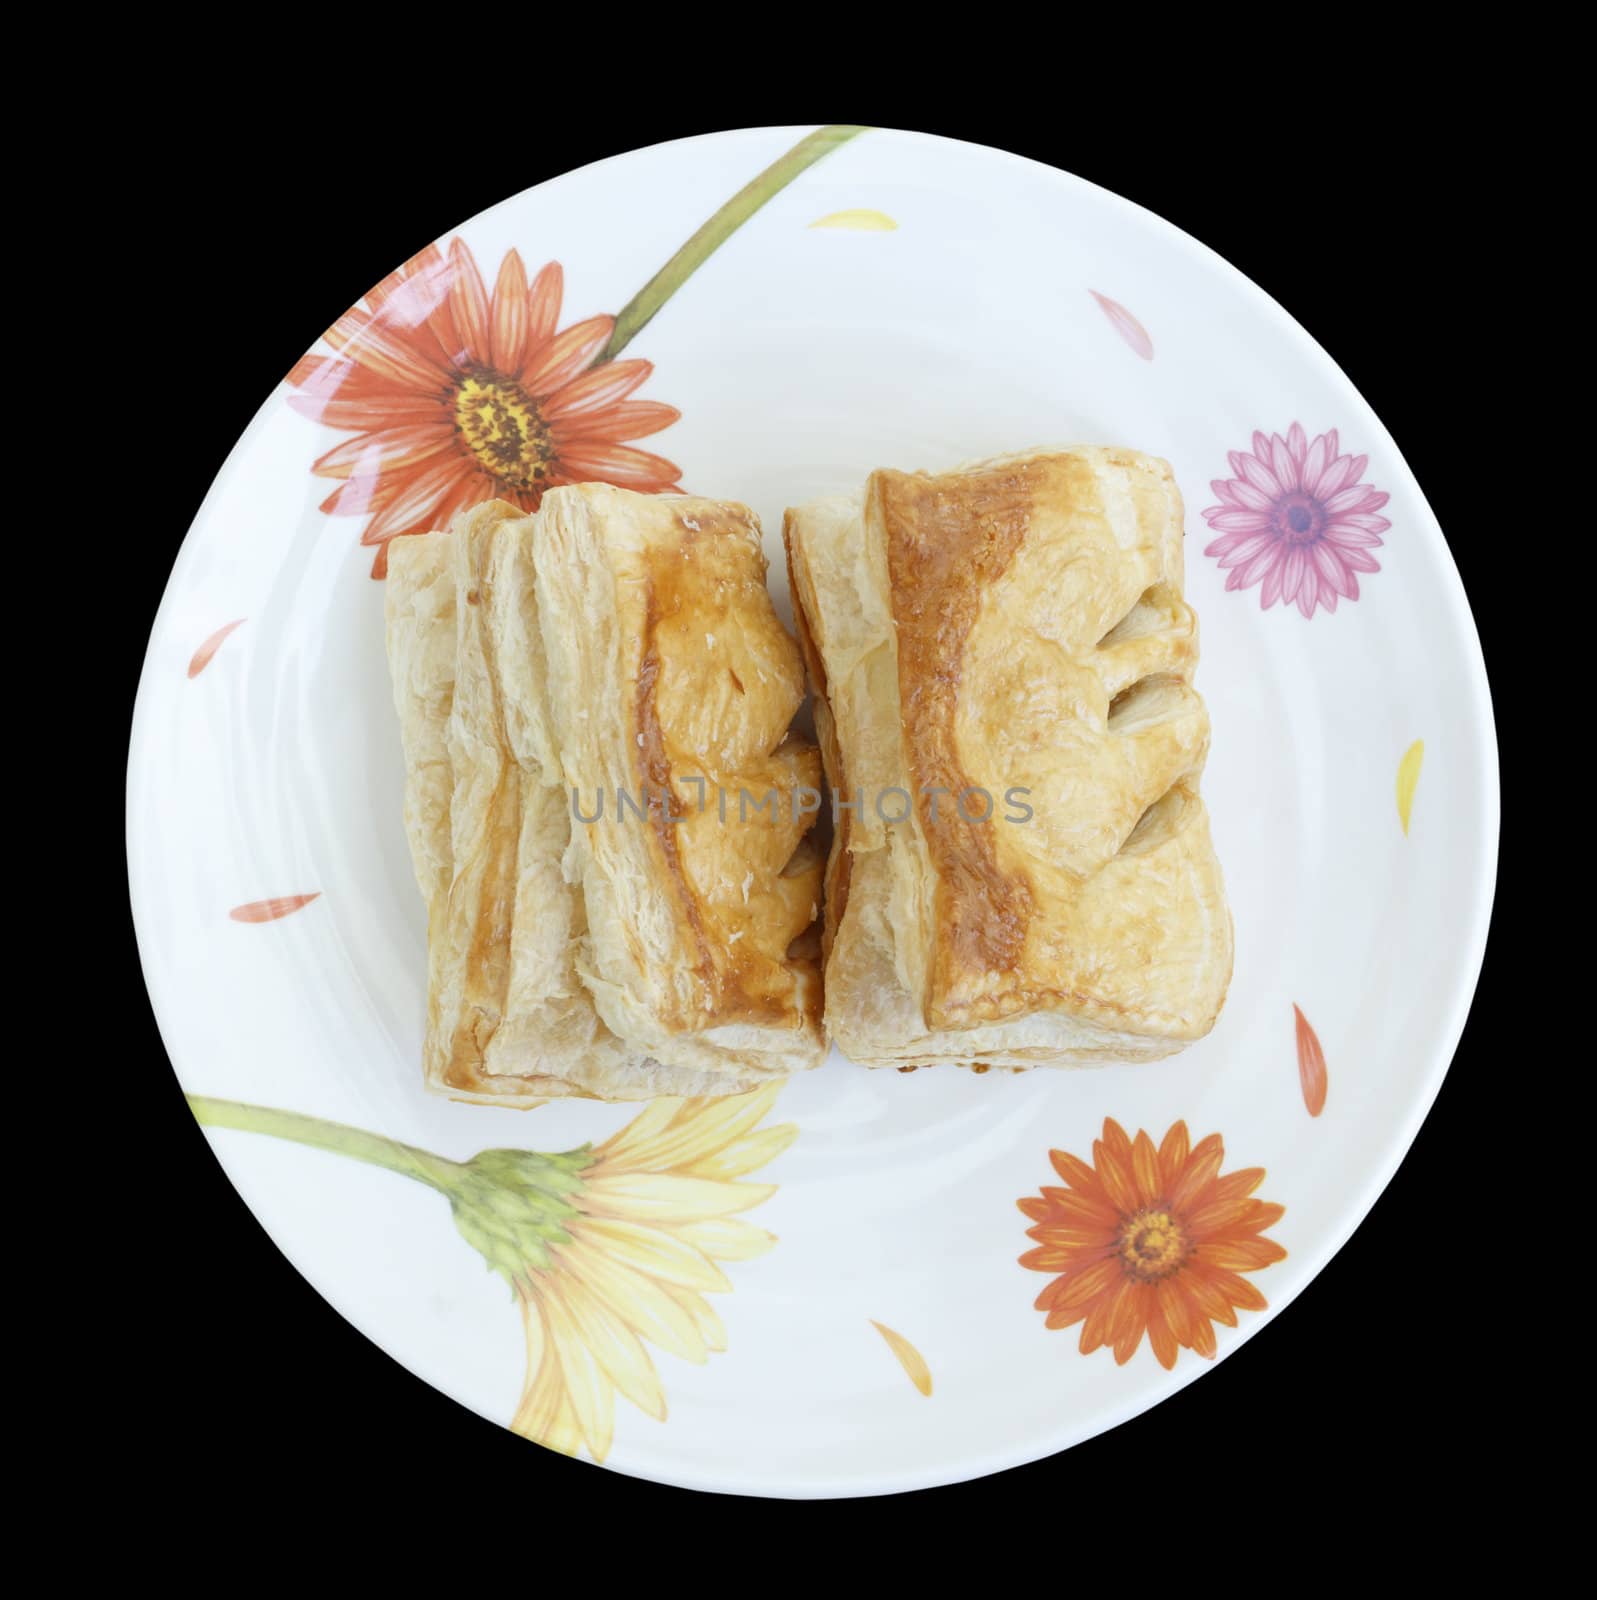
671	688
509	1020
1003	658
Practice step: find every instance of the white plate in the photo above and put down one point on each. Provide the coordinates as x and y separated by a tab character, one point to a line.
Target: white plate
960	302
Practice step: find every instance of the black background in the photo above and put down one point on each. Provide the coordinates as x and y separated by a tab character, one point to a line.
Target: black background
255	216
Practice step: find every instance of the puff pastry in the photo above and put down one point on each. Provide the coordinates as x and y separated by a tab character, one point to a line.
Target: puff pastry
672	685
511	1012
1014	628
509	1020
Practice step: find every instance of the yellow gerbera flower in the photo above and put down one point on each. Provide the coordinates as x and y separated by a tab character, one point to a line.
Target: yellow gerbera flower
603	1247
656	1210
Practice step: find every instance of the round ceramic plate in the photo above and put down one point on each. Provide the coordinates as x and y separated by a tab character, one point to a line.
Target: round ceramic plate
868	1281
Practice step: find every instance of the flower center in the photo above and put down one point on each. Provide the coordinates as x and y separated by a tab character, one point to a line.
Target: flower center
503	428
1152	1245
1299	518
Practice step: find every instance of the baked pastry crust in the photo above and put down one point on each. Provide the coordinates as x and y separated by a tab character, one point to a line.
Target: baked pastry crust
509	1019
673	683
1014	625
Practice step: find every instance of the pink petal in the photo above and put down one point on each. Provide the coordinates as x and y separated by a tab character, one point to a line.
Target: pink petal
1331	571
1272	586
1339	472
1297	442
1236	549
1358	560
1358	498
1258	474
1284	463
1238	521
1293	574
1267	560
1362	519
1125	325
1340	533
1309	593
1313	466
201	658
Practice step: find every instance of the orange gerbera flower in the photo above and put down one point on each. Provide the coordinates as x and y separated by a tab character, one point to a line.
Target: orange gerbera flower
457	397
1150	1241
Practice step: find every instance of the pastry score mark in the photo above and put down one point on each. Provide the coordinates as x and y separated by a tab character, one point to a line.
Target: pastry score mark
1125	325
202	657
1408	777
273	910
909	1358
1311	1064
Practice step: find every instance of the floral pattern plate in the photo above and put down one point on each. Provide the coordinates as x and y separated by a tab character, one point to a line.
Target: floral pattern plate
860	1282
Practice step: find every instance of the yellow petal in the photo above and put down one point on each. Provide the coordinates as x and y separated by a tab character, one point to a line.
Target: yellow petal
909	1358
725	1238
643	1304
711	1329
657	1197
653	1120
865	220
616	1348
586	1384
651	1251
746	1154
544	1413
695	1129
1408	776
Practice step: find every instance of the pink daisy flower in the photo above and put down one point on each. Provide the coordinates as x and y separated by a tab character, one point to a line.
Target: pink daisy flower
1296	518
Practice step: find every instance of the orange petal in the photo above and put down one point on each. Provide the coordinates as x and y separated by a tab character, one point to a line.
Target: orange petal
619	464
626	419
508	333
909	1358
1074	1171
1238	1291
1114	1171
1033	1207
468	301
1085	1285
1125	325
1202	1166
1173	1153
595	390
1095	1331
1145	1168
1130	1322
1311	1065
1242	1255
271	910
201	658
1160	1337
564	356
543	306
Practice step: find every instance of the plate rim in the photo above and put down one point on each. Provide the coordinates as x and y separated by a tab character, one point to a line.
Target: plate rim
1303	1266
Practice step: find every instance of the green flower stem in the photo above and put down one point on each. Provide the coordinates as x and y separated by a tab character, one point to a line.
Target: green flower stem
637	312
373	1148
